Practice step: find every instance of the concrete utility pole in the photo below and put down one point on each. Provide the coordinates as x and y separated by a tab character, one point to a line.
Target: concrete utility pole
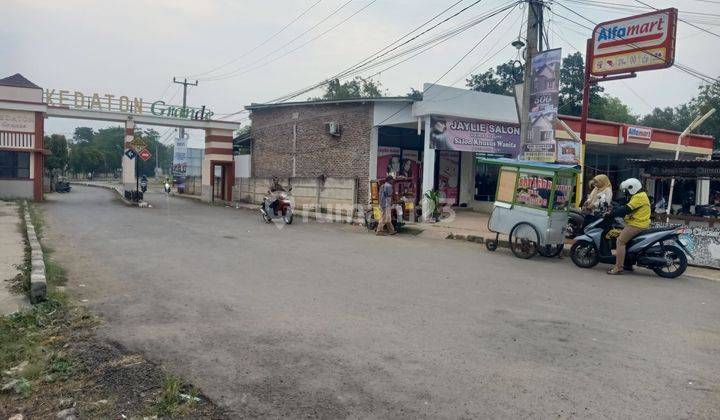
533	45
185	84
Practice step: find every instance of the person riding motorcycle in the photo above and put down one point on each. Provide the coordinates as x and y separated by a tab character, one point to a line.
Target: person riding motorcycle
274	193
636	214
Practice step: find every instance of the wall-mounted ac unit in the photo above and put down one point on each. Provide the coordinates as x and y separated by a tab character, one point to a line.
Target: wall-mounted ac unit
333	128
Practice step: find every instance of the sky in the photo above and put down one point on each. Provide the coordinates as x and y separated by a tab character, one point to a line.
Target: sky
245	51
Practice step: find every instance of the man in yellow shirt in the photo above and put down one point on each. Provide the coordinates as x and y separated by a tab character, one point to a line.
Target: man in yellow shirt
637	218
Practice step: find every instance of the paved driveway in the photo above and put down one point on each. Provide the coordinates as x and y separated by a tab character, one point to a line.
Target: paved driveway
327	320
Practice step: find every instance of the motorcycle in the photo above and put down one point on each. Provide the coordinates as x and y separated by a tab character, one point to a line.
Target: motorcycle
658	249
280	209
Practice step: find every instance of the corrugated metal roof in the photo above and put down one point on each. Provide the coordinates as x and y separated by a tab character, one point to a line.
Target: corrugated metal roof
18	80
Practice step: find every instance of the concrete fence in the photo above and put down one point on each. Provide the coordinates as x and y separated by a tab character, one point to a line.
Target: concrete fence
308	193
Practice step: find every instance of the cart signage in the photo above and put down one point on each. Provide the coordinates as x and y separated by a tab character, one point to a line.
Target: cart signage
480	136
635	43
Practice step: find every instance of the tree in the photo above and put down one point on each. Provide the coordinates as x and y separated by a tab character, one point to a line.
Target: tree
83	135
572	80
611	108
355	88
500	81
57	161
414	94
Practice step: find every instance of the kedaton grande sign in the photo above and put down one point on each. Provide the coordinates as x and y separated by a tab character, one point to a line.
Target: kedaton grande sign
121	103
635	43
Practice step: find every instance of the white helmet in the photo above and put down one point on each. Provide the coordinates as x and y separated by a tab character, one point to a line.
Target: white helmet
631	186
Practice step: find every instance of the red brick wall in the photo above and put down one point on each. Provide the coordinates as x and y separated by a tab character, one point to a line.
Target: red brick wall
317	152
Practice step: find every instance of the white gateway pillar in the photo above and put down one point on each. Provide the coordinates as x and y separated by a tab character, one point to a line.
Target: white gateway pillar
128	165
428	181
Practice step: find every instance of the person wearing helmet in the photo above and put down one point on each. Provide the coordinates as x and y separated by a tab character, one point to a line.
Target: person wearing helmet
637	218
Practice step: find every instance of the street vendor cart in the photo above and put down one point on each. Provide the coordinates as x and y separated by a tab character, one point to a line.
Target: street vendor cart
403	203
531	206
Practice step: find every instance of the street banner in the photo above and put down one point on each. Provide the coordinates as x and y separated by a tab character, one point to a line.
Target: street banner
634	43
568	151
448	180
179	166
480	136
388	161
544	90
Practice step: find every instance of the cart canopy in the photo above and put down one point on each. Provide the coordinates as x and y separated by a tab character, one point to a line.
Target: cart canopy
529	164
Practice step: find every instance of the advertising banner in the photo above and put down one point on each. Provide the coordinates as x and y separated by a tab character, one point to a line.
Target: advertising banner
409	164
634	43
544	90
568	152
179	166
480	136
449	176
703	243
388	161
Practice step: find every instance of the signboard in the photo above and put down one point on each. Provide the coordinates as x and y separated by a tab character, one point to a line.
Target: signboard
17	121
388	161
635	43
145	154
409	164
480	136
122	103
544	96
448	178
702	170
137	144
568	152
130	153
179	166
636	134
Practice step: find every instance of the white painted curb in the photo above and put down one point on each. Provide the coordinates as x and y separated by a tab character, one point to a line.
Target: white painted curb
38	281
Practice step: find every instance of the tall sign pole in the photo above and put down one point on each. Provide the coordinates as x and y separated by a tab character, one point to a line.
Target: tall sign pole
185	84
534	28
583	123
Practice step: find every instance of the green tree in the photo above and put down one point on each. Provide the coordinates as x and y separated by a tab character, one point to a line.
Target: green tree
501	80
57	161
611	108
356	88
83	135
707	99
572	80
414	94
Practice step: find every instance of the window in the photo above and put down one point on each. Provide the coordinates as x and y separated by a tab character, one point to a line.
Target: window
14	164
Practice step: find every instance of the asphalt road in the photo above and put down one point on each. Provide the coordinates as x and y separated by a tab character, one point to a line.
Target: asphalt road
327	320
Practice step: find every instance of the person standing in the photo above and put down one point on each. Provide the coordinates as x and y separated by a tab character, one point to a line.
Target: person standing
386	193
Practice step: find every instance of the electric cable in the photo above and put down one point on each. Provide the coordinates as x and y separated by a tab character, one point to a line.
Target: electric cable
245	54
682	20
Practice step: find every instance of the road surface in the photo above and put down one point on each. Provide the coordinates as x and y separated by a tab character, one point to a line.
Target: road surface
326	320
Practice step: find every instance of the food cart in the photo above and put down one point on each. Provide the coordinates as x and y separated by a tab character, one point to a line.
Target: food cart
403	203
531	206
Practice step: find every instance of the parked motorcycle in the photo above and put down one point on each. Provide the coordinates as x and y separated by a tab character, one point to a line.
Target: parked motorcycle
658	249
280	209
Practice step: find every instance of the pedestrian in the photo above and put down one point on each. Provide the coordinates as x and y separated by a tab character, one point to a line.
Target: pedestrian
386	194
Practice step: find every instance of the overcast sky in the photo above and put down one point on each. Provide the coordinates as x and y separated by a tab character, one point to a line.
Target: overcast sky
135	47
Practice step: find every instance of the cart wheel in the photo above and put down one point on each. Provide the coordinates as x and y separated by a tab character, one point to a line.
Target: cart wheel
551	251
491	244
370	223
524	240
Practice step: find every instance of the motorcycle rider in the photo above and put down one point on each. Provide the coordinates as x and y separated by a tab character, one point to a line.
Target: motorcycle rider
274	194
637	218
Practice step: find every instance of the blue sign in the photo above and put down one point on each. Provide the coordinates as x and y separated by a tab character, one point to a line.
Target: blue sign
130	153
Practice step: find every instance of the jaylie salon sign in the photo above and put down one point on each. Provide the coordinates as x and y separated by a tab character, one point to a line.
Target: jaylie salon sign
120	103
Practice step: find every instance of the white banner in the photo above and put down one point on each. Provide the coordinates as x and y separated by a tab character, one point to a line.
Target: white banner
180	156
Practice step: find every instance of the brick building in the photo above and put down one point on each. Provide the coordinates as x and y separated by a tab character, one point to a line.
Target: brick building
422	143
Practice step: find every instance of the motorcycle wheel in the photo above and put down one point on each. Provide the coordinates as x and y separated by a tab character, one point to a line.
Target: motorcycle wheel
584	254
677	262
265	217
524	240
288	217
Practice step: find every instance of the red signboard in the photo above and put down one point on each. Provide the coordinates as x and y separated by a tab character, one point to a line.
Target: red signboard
145	154
635	43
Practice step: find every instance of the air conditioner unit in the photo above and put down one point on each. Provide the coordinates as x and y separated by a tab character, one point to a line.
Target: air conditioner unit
333	128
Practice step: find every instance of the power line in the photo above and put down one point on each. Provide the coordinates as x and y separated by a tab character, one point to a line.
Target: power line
245	54
512	7
243	70
438	39
682	67
682	20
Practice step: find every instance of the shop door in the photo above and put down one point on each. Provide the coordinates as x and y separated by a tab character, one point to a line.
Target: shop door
222	181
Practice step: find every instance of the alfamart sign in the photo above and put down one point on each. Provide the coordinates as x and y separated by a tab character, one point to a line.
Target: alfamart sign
120	103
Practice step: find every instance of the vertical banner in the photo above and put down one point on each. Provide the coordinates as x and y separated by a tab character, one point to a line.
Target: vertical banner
544	89
179	166
409	166
448	179
388	161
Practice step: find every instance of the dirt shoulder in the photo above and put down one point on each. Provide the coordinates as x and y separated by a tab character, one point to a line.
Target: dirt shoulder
53	364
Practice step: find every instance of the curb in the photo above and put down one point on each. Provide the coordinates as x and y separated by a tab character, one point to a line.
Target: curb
38	281
110	187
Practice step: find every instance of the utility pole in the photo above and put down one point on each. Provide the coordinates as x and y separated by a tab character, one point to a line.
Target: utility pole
185	84
534	36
